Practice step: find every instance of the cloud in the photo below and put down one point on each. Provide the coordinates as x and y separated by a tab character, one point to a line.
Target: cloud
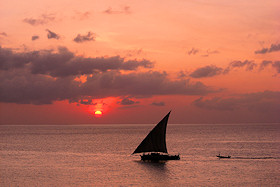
212	70
83	38
20	84
264	64
82	15
263	102
35	37
124	10
52	35
10	60
64	63
127	101
209	52
144	84
22	87
250	65
158	103
207	71
3	34
193	51
273	48
46	76
42	20
275	64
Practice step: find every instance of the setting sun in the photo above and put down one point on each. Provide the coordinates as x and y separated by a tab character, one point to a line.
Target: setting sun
98	113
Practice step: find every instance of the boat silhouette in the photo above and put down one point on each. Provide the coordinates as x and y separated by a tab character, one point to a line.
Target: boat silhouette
153	147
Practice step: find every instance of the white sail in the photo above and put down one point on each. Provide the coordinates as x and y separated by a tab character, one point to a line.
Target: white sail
155	140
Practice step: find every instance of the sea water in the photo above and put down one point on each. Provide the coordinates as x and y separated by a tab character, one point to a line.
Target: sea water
100	155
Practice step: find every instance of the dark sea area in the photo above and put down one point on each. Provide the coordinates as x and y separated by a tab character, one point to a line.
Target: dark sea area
100	155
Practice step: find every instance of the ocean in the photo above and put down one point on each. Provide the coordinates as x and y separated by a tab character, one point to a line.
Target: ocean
100	155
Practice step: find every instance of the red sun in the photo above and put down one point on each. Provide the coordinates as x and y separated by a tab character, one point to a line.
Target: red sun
98	113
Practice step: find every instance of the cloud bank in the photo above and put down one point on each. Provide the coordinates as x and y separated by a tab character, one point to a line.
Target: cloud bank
65	63
43	77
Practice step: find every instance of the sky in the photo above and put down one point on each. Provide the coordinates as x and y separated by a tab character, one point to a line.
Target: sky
134	61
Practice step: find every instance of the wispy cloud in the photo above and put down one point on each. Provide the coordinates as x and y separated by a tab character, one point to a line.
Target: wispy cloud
158	104
249	65
42	20
83	38
210	52
124	10
272	48
35	37
3	34
127	101
52	35
193	51
207	71
82	15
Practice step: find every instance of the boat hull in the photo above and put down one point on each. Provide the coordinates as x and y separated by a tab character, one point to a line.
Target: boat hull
157	157
223	156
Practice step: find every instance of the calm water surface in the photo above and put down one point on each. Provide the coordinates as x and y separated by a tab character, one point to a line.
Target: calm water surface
99	155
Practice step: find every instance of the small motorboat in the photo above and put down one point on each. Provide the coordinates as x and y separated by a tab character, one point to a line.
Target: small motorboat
221	156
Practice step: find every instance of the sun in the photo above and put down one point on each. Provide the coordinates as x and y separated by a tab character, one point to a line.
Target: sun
98	113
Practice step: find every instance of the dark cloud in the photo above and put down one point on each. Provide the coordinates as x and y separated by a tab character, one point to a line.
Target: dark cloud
127	101
158	103
250	65
10	60
42	77
193	51
21	86
65	63
267	102
207	71
212	70
35	37
43	19
275	65
264	64
273	48
143	84
52	35
124	10
83	38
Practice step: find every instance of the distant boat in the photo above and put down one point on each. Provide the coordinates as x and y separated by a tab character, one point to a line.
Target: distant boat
153	146
220	156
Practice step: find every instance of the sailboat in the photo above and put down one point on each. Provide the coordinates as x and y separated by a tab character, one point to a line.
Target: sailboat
153	147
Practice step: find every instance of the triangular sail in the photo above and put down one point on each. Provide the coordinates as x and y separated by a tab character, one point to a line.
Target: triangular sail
155	140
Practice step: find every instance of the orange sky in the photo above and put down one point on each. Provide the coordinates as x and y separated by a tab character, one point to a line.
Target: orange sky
208	62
